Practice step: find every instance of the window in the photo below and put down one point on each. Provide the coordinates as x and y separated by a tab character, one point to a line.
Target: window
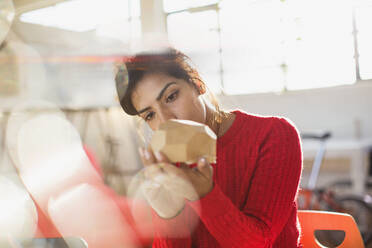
363	21
195	32
196	35
119	19
251	34
274	45
124	22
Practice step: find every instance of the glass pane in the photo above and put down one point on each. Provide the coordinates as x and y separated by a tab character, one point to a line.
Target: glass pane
207	64
176	5
196	35
136	28
324	53
119	29
171	5
113	9
135	8
295	41
364	21
120	26
251	46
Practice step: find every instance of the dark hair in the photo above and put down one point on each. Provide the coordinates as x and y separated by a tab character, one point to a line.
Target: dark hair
169	61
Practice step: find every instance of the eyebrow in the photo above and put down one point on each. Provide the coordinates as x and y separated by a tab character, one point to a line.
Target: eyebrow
159	96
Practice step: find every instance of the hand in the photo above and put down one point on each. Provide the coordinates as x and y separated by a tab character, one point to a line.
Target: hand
166	204
191	183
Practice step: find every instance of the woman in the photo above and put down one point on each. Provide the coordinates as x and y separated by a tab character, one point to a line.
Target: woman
246	199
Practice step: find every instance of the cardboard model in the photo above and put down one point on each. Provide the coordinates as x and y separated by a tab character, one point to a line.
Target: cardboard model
185	141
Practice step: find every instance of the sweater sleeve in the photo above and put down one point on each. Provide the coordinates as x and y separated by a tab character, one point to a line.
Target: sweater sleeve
171	232
270	198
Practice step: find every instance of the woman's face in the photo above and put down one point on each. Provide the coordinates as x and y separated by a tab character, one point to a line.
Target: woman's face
159	97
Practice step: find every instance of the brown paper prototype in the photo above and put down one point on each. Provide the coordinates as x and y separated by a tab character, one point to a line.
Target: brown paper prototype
185	141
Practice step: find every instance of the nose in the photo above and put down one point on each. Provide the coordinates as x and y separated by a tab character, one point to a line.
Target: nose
164	115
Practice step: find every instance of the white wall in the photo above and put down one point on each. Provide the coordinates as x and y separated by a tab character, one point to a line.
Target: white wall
344	110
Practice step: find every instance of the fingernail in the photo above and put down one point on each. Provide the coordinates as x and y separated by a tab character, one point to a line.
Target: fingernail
147	154
158	155
202	161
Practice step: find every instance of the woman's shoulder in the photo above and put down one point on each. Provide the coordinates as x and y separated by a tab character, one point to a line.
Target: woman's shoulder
264	124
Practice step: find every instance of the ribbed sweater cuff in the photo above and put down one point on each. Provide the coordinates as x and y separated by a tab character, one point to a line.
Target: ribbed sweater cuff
214	204
171	228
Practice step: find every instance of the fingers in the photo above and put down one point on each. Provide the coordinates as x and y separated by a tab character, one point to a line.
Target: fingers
175	180
205	168
190	172
153	171
147	156
160	157
170	169
184	166
191	183
158	171
165	203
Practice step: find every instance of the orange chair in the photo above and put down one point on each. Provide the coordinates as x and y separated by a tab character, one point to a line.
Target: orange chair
311	220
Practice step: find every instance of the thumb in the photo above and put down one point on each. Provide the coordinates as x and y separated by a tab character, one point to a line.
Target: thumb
205	168
160	157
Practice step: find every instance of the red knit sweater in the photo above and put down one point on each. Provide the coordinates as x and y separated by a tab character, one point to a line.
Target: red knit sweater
252	204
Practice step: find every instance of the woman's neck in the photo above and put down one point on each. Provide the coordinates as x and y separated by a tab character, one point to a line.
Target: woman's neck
210	119
218	127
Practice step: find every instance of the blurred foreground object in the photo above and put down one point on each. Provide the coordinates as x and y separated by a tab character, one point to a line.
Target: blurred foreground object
52	158
164	202
91	213
162	193
185	141
6	18
70	242
71	197
18	216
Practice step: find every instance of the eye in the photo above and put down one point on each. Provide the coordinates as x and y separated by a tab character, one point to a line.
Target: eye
149	116
172	96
